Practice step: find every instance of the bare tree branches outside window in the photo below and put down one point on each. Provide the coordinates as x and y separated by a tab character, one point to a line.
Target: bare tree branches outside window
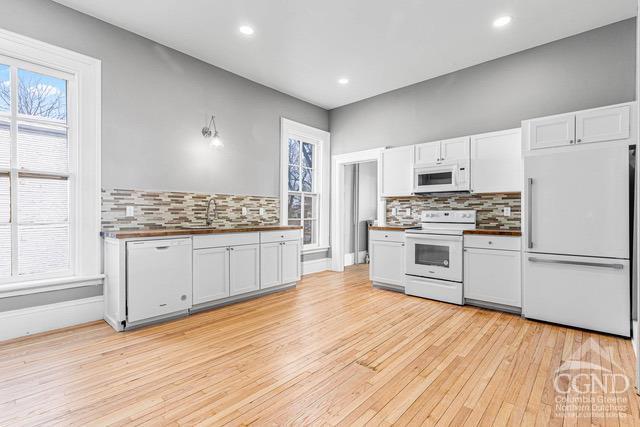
38	96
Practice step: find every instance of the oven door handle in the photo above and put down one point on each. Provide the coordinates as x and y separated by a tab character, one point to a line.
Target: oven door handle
432	237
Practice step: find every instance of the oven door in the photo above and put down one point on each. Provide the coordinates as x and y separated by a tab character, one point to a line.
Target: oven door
435	256
435	178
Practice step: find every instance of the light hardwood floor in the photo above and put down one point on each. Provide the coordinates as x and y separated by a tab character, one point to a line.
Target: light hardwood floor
332	351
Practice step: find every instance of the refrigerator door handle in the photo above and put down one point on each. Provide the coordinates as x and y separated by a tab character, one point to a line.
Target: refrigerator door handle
614	266
529	212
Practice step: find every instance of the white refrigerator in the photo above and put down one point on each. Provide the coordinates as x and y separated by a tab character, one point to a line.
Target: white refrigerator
577	234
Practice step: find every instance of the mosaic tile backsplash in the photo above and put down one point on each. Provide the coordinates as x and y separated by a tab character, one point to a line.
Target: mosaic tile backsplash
157	209
488	207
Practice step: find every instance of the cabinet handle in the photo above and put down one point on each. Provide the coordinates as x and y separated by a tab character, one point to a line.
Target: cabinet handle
231	249
161	248
579	140
613	266
530	213
571	141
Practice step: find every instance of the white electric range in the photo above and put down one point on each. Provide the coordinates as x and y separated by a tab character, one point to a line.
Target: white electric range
434	255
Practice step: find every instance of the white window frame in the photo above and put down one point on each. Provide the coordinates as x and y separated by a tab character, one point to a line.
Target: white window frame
84	120
322	178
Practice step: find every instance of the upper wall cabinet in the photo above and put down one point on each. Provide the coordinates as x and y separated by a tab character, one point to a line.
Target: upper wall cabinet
496	162
442	151
397	171
597	125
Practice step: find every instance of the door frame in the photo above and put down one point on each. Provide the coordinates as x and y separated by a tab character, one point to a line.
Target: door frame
338	162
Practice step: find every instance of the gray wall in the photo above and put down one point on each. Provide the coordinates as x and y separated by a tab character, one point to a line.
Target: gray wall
154	102
587	70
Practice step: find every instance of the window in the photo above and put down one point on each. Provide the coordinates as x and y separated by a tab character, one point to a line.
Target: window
304	150
49	166
303	198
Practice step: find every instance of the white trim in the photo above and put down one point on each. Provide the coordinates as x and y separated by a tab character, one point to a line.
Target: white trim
349	259
33	320
323	140
47	285
337	191
316	266
315	250
86	156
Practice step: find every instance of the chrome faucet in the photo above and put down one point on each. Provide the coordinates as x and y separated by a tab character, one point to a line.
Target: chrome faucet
215	210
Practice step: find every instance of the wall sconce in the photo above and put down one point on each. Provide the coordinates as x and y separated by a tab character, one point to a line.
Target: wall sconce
216	141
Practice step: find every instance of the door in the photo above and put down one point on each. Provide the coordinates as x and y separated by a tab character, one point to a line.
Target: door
454	149
552	132
429	152
270	265
607	124
481	282
210	274
496	162
434	256
585	292
290	261
244	269
577	202
158	278
397	171
387	262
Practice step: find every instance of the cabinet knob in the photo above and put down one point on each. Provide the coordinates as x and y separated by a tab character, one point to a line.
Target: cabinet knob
571	141
386	236
579	140
490	242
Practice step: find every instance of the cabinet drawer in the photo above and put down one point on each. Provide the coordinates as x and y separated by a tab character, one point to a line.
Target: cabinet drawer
224	239
387	236
507	243
280	236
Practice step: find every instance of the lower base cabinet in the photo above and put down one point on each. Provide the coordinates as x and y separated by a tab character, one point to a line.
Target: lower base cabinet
210	274
244	269
387	266
279	263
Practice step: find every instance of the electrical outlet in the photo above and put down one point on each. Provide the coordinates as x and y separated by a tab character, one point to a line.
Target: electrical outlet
394	211
506	211
407	212
130	211
244	211
261	211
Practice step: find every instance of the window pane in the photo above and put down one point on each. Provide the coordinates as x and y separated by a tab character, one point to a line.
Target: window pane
43	200
42	148
42	96
294	222
294	206
5	88
307	179
307	155
294	152
5	144
5	250
43	248
294	178
5	199
309	232
309	207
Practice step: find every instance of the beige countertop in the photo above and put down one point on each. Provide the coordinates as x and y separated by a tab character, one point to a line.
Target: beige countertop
166	232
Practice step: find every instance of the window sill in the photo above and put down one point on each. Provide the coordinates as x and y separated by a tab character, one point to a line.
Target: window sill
315	250
47	285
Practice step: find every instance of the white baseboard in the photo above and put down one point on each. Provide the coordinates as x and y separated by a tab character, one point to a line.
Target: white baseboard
33	320
349	258
316	266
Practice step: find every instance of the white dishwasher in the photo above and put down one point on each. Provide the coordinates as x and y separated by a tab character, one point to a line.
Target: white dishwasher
158	278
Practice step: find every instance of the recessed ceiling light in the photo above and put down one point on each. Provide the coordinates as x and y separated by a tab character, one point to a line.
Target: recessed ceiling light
246	30
343	80
502	21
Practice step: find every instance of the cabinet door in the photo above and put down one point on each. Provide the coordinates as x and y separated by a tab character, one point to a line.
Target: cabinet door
483	284
270	265
210	274
552	132
429	152
290	261
244	269
454	149
397	171
496	162
387	263
608	124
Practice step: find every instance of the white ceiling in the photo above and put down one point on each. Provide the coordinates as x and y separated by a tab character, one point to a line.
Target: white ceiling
301	47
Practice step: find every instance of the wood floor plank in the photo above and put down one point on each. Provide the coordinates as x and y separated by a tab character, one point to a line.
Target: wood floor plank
333	351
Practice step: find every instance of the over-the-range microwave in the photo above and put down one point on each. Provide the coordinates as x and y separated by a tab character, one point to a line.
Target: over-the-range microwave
442	177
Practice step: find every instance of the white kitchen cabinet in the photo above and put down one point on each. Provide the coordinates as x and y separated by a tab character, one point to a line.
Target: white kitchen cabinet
387	265
554	131
606	124
244	269
280	263
454	149
496	162
428	152
397	171
210	274
493	275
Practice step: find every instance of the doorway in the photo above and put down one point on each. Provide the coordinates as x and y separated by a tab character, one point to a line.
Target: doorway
360	210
